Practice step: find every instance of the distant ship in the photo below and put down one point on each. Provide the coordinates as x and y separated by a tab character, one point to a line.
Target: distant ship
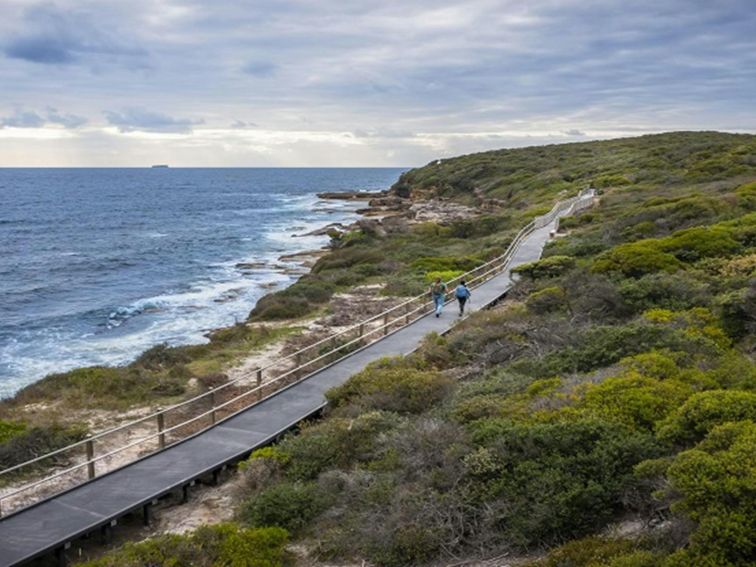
159	166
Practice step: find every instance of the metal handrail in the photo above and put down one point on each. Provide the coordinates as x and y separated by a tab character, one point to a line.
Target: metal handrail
496	264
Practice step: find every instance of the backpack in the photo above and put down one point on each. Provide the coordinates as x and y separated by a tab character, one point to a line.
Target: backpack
462	291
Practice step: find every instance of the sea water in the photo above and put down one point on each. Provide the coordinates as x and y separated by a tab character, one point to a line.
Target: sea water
97	265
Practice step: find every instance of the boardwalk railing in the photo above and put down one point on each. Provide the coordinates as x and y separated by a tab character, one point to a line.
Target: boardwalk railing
167	426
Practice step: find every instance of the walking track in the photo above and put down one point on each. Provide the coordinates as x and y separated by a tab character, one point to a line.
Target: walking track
50	525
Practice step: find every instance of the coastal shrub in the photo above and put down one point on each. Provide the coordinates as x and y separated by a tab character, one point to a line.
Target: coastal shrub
737	311
10	429
337	442
287	505
611	180
446	263
705	410
598	552
675	291
208	546
550	267
634	400
547	300
161	357
392	388
405	286
579	245
746	195
347	258
30	442
479	226
659	216
601	346
446	276
295	301
636	259
559	480
715	482
105	387
693	244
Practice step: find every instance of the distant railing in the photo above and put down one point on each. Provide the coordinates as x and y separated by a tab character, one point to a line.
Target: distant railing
168	426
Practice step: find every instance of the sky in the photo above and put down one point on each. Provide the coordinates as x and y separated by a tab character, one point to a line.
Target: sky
362	82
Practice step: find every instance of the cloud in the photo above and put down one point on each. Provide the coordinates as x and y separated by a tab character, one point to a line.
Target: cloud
242	124
259	68
65	120
23	119
32	119
139	119
379	82
41	49
51	35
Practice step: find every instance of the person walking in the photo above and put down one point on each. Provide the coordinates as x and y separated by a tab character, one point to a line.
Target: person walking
462	293
438	293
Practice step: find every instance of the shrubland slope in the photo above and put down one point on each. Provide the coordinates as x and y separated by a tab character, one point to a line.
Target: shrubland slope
615	386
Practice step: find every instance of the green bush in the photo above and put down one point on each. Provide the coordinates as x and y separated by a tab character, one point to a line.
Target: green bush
392	388
705	410
547	300
598	552
337	442
675	291
634	400
715	481
561	479
288	505
208	546
10	429
446	263
747	195
295	301
636	259
31	442
446	276
347	258
550	267
737	309
701	242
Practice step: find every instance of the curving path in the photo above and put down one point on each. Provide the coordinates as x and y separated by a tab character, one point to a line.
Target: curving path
51	525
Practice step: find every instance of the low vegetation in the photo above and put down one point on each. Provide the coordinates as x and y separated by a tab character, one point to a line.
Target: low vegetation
616	382
39	419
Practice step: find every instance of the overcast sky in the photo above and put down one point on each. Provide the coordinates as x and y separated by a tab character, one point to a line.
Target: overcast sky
360	82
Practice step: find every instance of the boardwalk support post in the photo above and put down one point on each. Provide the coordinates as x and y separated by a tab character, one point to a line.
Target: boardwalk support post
60	554
147	514
90	459
161	427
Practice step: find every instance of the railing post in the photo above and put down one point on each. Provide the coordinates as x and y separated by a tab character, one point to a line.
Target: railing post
259	383
298	360
362	329
213	415
385	324
161	427
90	456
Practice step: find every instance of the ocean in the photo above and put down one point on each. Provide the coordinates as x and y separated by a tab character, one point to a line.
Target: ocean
97	265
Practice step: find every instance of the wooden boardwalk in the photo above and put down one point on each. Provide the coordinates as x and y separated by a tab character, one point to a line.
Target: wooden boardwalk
50	525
